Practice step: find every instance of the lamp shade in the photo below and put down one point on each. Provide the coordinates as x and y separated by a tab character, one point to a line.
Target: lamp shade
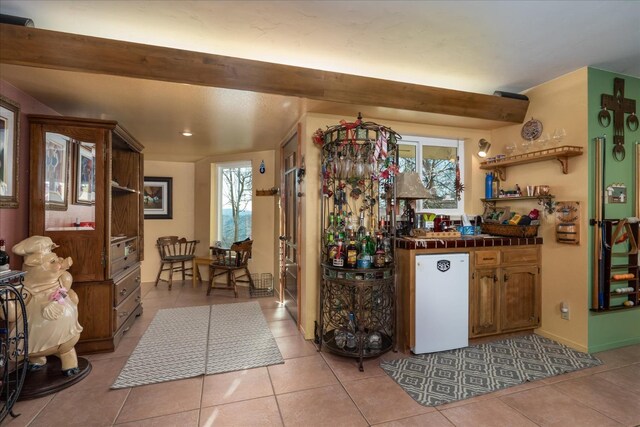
483	147
409	186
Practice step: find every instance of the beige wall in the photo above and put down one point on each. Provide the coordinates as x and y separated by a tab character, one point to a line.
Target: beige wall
310	211
263	218
182	223
558	103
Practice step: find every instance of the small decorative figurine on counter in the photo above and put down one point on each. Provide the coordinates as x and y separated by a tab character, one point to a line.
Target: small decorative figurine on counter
52	307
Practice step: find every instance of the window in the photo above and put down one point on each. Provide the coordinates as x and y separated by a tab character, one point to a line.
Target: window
437	171
234	202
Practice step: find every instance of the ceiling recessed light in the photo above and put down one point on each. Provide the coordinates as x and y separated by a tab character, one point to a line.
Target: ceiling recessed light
186	133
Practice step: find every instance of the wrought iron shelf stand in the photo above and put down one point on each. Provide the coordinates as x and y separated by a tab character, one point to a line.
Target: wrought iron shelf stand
13	341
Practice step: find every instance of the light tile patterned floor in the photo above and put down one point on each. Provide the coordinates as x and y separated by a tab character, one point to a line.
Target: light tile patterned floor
321	389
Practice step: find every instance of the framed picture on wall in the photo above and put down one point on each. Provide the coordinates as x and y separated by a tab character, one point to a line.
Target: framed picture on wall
157	197
85	182
9	140
56	171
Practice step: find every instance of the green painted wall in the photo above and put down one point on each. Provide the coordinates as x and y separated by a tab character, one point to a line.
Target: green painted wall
619	328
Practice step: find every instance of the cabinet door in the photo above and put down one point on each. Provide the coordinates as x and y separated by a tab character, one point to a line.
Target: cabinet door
484	302
520	298
68	193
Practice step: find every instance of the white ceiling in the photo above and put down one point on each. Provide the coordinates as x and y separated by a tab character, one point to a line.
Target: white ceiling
475	46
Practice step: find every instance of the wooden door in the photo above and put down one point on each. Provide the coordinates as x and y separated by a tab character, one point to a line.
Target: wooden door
290	232
484	302
520	298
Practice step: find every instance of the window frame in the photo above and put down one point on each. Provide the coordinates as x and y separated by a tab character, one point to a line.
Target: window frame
419	142
219	193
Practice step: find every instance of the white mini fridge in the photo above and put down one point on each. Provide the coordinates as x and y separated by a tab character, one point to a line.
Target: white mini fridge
442	302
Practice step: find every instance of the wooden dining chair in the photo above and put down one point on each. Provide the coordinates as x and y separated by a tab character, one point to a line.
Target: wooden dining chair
232	262
176	255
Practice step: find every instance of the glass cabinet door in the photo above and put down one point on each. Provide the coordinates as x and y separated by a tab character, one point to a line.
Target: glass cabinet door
67	194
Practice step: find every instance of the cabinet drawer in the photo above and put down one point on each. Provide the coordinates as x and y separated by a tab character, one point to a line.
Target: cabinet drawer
123	248
126	285
488	258
520	255
122	312
118	266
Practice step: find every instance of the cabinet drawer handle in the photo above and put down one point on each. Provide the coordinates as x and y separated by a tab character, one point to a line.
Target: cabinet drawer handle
488	259
495	278
138	279
123	314
138	298
123	291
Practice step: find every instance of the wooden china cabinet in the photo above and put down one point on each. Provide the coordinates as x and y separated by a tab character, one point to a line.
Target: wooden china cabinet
86	195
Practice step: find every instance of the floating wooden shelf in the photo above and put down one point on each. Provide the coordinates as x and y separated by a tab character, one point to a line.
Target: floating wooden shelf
560	154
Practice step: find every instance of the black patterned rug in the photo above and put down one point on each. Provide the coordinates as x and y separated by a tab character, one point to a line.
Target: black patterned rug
437	378
191	341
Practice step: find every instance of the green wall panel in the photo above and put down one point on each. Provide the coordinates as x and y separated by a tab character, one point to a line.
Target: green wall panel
619	328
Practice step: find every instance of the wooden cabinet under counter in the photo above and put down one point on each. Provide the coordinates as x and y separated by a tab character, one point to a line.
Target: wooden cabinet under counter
504	284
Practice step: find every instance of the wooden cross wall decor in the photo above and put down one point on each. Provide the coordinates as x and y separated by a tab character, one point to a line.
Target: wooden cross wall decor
619	106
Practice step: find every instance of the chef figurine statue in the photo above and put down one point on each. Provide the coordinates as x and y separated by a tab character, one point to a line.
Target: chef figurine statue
52	307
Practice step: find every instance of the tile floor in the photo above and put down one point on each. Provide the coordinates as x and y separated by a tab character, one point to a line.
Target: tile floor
320	389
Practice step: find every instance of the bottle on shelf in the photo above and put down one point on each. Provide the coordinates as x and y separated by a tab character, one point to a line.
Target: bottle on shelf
488	186
352	254
388	257
4	257
330	232
352	331
379	257
340	257
340	228
332	248
350	229
360	233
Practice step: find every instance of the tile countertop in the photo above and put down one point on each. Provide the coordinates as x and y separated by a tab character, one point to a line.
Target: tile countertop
465	242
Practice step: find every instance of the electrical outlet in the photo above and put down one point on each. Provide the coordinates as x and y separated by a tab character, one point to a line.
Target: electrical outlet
564	311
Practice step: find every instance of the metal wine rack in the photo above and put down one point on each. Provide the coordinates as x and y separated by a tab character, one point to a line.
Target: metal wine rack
358	306
13	341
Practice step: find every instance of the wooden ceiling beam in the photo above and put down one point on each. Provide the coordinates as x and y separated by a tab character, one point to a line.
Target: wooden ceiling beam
73	52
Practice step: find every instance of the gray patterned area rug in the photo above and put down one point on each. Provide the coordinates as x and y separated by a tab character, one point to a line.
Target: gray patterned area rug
188	342
437	378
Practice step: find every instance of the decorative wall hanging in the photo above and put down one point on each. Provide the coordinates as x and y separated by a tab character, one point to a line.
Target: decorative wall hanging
618	105
568	222
617	193
158	197
9	147
531	130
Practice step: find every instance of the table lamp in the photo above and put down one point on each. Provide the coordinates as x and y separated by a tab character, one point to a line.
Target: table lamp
409	187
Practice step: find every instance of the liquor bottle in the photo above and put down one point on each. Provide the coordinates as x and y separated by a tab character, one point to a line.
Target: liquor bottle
364	256
340	228
339	259
379	257
352	255
352	331
388	257
332	248
350	229
361	229
330	232
369	247
4	257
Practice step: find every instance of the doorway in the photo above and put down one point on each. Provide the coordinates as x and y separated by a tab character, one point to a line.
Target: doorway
289	228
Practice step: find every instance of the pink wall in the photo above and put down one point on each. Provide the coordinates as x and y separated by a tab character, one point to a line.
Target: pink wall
14	223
